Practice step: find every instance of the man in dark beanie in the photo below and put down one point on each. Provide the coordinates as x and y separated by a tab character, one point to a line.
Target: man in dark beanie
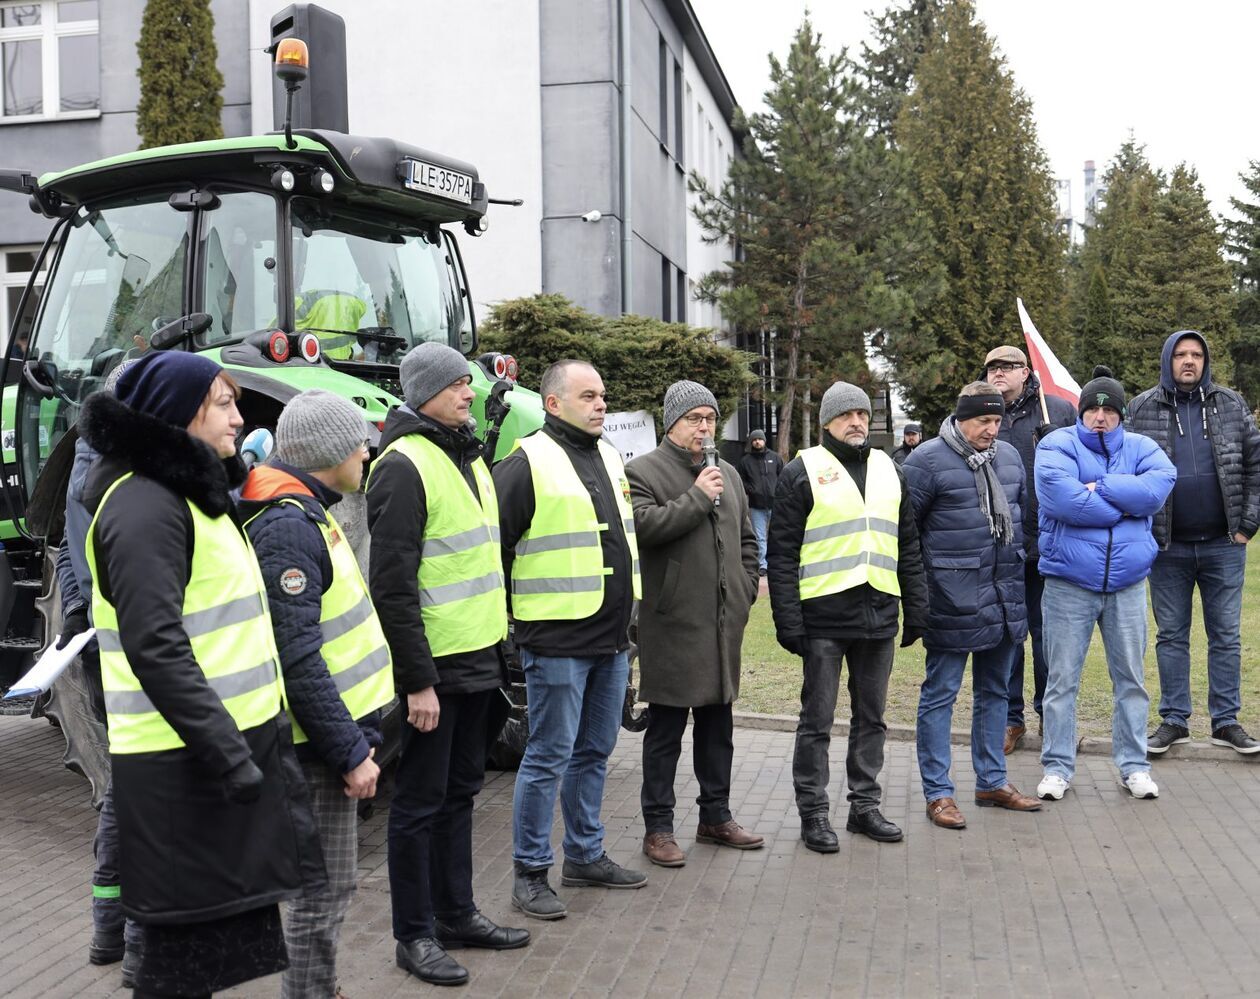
760	468
969	494
911	436
200	747
1099	486
333	653
436	579
844	558
699	566
1202	532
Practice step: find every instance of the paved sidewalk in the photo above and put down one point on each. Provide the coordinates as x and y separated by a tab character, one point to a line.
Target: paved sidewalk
1096	895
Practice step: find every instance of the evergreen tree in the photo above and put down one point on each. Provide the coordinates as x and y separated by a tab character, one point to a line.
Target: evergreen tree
180	82
1243	246
902	35
984	187
1099	325
817	207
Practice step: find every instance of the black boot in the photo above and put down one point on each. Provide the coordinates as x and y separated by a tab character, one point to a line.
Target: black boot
873	825
428	961
818	835
475	930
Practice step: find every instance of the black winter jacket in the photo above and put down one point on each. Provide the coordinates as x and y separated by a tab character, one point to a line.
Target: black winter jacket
193	854
397	512
760	472
604	632
287	538
862	612
1231	429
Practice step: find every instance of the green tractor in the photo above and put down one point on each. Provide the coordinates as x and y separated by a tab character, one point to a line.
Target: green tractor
301	259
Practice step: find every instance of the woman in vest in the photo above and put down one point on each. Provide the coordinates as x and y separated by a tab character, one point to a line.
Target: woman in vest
214	824
332	652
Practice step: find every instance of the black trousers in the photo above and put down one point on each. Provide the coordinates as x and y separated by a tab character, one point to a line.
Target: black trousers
870	665
430	818
713	749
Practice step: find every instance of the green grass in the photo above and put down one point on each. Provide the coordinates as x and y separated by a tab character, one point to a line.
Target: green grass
771	679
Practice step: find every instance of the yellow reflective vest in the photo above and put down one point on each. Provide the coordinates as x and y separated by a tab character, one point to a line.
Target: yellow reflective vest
463	603
558	572
226	619
354	649
849	540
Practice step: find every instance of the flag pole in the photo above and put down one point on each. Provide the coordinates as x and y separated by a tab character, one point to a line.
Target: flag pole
1045	413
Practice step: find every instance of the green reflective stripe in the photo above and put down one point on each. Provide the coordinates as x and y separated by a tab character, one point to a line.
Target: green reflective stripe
461	542
236	611
433	596
354	675
568	584
106	891
136	702
557	542
839	530
347	621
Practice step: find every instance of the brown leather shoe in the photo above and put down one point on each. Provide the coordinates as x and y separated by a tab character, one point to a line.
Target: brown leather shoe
944	813
1014	736
663	850
729	833
1008	797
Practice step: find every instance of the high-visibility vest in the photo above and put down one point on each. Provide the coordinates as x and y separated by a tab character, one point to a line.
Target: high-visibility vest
558	572
328	312
226	620
354	648
849	540
463	603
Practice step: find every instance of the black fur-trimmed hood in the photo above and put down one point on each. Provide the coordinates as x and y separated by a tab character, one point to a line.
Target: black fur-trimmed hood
149	447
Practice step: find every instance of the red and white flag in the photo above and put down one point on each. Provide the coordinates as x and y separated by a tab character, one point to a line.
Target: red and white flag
1053	376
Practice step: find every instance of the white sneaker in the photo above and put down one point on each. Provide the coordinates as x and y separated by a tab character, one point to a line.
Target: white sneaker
1140	785
1052	786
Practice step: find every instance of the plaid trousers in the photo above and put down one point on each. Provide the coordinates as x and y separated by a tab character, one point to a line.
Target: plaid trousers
312	923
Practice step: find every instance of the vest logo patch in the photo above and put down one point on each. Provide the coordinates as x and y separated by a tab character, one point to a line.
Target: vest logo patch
334	536
293	581
831	475
625	489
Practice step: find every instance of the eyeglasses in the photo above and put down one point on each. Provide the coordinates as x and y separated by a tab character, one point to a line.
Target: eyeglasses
1003	366
695	419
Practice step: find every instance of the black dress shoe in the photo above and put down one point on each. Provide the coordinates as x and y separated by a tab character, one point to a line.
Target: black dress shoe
426	959
818	835
873	825
475	930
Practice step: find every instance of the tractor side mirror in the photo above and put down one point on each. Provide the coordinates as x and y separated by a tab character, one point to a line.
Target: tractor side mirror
181	329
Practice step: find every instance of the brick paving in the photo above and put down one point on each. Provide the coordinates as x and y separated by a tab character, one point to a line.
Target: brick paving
1096	895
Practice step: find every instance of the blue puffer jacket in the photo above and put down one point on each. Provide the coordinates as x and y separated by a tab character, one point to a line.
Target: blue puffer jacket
975	586
1100	539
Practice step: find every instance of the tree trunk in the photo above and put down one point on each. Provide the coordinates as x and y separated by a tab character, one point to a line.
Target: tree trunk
787	408
807	409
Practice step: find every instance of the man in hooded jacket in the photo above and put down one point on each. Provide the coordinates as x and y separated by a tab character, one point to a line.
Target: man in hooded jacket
1202	531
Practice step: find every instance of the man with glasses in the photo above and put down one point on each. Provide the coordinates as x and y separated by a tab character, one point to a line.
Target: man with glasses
699	568
1023	425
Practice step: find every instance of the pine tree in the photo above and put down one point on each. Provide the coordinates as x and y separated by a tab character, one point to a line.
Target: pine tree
1099	326
180	82
984	187
902	35
1243	246
818	209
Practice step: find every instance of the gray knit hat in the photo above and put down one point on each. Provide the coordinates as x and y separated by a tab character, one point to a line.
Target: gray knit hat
682	397
429	368
111	380
841	398
319	429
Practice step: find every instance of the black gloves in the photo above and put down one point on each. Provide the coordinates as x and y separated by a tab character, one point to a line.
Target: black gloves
243	783
794	644
1040	431
910	635
74	623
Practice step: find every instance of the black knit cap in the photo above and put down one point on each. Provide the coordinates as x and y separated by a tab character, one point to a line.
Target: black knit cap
1102	390
168	384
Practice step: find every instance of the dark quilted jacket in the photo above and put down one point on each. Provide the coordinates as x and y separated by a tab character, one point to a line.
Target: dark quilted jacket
1235	445
975	586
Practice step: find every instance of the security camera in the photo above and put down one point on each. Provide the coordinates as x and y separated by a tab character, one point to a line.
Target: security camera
594	215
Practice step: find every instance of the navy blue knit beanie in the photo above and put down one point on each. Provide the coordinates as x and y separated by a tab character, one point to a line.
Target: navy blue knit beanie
169	385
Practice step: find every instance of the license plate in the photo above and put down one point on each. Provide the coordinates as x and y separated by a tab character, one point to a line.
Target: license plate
439	181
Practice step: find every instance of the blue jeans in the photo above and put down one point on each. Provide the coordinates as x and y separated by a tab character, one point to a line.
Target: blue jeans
990	673
574	716
1218	568
761	527
1070	613
1033	585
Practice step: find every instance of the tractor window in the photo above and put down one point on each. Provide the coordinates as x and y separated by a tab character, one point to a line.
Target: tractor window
238	254
351	275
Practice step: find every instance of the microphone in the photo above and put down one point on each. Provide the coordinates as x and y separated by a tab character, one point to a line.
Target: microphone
257	446
710	452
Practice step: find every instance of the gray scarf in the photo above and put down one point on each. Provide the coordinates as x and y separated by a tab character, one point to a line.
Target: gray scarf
988	488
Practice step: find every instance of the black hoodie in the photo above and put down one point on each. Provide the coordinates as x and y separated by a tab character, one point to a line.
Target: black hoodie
397	514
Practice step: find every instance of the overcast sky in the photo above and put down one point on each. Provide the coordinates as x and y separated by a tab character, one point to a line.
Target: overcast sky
1180	75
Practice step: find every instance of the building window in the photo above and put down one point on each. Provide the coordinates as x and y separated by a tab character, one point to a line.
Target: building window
49	59
665	287
16	265
680	306
662	132
678	114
